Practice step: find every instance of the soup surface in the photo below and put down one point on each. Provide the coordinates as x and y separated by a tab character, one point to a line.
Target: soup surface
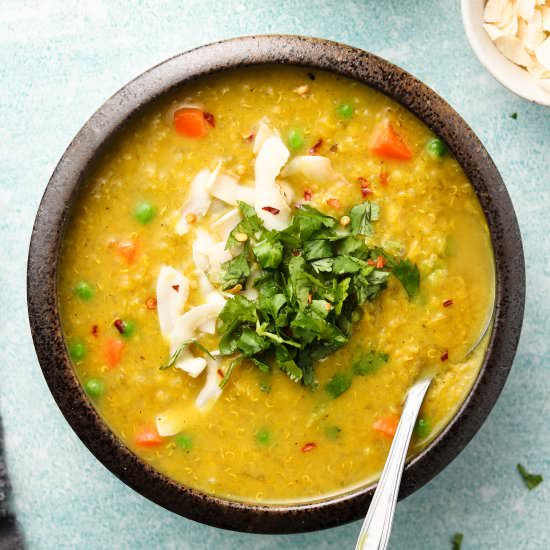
143	277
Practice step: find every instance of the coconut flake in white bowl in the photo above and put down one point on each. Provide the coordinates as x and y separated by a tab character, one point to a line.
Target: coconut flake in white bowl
511	39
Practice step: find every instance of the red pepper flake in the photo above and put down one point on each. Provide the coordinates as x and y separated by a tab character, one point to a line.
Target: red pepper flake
295	252
445	355
384	178
151	303
365	189
210	119
334	148
249	137
317	145
371	262
271	210
448	303
309	447
307	194
119	325
380	262
95	331
220	373
334	203
176	287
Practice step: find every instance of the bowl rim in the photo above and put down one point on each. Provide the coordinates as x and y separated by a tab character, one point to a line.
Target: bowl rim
63	188
516	79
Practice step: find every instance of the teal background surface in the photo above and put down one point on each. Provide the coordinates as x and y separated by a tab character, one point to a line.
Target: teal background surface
58	62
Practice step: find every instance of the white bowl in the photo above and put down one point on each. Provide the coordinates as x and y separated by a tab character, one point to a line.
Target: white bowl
509	74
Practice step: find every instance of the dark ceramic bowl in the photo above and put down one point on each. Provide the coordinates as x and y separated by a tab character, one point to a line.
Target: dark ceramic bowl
64	187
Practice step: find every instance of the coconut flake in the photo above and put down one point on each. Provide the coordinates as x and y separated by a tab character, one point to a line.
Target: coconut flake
543	54
172	294
227	189
269	162
316	168
211	389
264	132
514	50
185	328
199	199
493	10
226	223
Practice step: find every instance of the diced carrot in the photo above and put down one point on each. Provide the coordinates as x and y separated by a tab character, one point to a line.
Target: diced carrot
148	437
127	250
113	352
387	143
386	425
190	122
380	262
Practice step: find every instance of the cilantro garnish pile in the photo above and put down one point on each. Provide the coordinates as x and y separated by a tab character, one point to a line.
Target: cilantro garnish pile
314	276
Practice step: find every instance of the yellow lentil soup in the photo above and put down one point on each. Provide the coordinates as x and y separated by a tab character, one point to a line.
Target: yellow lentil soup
257	271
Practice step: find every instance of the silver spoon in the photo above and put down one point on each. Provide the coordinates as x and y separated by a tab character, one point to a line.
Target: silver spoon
376	529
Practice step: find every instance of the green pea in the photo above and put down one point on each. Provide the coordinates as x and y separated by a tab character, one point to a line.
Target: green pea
333	432
184	442
422	428
144	212
263	436
94	387
129	328
84	291
77	350
345	110
436	148
295	139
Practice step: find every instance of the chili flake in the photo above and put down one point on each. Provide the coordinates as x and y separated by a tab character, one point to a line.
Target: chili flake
334	203
445	355
448	303
380	262
309	447
95	331
307	194
315	149
271	210
384	177
119	325
210	119
151	303
334	148
176	287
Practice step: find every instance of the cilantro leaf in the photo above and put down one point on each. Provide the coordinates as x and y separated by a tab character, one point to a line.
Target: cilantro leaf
530	480
269	253
317	249
408	275
251	343
338	384
457	541
361	216
235	271
369	362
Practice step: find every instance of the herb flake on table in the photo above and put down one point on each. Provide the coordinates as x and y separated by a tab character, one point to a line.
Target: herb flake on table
457	541
531	480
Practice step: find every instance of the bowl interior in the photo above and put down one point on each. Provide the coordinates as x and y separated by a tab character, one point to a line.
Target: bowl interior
63	189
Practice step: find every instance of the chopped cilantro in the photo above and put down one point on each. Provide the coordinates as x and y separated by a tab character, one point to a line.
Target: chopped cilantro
369	362
530	480
457	541
338	384
314	277
175	356
514	116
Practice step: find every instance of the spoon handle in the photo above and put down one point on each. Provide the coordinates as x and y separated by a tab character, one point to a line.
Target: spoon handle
375	532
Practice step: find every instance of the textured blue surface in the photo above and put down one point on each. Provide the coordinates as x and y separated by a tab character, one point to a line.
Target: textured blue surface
58	62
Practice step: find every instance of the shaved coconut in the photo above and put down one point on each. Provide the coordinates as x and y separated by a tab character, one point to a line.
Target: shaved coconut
250	292
514	50
543	54
545	12
545	83
209	255
315	168
199	199
174	420
525	9
264	132
269	162
172	294
287	190
185	328
493	31
507	15
226	188
539	71
493	10
211	389
534	35
227	223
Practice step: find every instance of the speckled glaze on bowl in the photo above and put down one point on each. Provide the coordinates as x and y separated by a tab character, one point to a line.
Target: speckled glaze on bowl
63	189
